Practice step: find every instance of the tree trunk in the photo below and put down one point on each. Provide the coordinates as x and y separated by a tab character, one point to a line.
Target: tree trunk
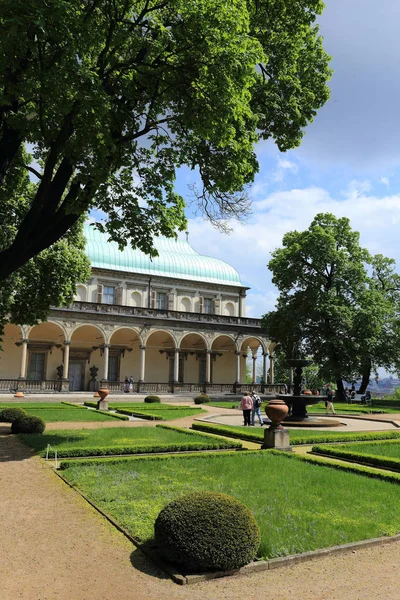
366	374
340	395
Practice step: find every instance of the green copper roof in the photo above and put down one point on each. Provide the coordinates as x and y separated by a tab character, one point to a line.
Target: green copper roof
176	259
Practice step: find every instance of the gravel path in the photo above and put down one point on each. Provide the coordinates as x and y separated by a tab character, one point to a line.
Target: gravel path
54	546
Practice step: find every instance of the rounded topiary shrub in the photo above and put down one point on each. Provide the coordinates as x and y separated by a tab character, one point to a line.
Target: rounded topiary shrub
151	399
9	415
207	531
201	399
28	425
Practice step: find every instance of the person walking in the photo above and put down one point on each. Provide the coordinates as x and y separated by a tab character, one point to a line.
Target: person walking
329	401
131	383
126	385
257	402
246	405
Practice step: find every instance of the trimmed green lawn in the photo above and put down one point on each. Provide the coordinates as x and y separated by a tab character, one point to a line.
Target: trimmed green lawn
50	413
118	440
299	506
164	412
389	448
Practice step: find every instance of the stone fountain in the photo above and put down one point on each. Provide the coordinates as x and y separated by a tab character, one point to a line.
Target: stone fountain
298	402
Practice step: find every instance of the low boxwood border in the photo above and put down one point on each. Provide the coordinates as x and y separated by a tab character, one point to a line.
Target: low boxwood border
209	443
101	412
360	457
230	431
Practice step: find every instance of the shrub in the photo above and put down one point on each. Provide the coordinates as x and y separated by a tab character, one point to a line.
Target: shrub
151	399
9	415
205	531
203	398
28	425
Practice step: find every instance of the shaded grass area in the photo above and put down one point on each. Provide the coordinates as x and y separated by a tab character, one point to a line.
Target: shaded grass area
296	436
380	454
135	440
51	413
299	506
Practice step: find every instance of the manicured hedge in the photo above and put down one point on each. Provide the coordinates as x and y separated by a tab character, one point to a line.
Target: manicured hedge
143	414
206	531
153	399
28	425
202	399
11	414
346	454
231	431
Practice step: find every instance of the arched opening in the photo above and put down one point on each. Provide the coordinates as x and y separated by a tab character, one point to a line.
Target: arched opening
45	352
124	355
160	351
192	359
86	358
253	350
223	357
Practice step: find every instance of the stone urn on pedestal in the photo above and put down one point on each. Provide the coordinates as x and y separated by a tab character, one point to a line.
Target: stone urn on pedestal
102	404
276	436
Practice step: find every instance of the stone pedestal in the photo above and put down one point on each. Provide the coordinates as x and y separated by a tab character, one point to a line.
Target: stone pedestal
276	438
102	405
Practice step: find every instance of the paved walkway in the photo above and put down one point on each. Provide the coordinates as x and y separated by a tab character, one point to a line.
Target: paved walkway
54	546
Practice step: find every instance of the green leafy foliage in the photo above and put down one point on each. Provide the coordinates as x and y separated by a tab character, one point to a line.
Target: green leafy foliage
330	306
196	532
115	95
29	425
11	414
50	277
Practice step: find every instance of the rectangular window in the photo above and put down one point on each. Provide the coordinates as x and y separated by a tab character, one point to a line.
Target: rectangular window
113	368
37	363
161	301
108	295
207	306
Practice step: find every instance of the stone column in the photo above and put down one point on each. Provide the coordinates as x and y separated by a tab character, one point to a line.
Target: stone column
265	368
253	374
106	352
208	366
271	369
238	366
142	363
66	359
22	373
64	380
176	366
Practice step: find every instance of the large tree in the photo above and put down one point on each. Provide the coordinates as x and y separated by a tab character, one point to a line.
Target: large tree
114	95
48	279
337	303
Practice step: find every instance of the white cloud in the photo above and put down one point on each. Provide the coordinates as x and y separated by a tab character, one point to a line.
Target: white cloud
248	247
385	181
284	165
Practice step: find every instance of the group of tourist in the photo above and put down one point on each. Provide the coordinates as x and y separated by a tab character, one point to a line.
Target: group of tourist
128	384
250	404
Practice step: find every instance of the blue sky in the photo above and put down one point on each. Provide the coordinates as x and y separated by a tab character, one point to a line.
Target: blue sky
348	163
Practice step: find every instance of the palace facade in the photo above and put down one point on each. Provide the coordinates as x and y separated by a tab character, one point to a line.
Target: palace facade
176	322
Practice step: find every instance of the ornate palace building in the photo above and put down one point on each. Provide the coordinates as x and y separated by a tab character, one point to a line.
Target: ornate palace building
176	322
